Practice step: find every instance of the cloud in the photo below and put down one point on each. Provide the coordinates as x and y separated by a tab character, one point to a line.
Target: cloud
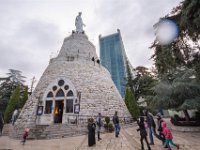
135	19
29	46
31	31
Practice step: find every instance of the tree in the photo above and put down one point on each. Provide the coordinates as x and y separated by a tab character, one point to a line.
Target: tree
12	104
32	84
6	89
8	85
143	83
129	95
178	90
129	77
23	97
16	77
131	103
178	62
182	51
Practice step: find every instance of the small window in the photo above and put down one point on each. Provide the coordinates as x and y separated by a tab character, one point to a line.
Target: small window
50	94
54	88
70	93
48	107
60	93
61	82
66	87
69	106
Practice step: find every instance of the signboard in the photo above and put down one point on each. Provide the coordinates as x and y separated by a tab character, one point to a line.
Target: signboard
76	108
40	110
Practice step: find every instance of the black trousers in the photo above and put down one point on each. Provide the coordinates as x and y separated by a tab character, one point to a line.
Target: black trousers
142	145
98	134
160	137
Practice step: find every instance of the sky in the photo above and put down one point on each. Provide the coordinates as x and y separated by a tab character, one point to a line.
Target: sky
32	31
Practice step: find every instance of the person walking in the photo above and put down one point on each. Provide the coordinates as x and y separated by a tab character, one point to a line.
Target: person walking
1	123
168	136
116	124
160	135
151	126
99	125
91	132
143	133
14	116
25	135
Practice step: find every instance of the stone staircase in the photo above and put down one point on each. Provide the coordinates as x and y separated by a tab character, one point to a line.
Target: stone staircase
6	129
50	131
62	130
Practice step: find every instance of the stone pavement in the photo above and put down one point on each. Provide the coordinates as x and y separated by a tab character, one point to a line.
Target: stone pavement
128	140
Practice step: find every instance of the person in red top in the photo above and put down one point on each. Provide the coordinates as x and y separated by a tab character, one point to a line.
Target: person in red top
168	136
25	135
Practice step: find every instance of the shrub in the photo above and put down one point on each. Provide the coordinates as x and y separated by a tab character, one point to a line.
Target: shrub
106	126
107	120
110	127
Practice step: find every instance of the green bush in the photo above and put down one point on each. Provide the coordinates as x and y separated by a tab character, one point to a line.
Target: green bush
110	127
107	120
106	126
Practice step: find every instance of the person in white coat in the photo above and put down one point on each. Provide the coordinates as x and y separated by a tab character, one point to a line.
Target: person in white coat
14	116
99	125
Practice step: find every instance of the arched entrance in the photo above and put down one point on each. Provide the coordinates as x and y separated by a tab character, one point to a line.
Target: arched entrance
58	111
60	99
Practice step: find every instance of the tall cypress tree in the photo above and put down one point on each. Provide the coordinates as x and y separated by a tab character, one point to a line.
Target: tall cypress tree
23	98
129	96
12	104
131	103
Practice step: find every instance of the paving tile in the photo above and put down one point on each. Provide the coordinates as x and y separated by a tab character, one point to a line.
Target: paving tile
129	139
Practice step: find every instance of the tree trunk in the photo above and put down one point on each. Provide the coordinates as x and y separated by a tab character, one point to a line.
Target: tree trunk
187	117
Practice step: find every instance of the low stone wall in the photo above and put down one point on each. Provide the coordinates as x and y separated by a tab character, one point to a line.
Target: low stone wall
185	129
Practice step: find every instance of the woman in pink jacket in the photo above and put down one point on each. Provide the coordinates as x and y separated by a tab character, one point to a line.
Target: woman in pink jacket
168	136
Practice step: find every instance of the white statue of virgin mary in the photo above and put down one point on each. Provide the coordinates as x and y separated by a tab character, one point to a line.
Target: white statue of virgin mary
79	23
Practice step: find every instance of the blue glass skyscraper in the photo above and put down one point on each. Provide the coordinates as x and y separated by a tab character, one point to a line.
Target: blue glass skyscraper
113	57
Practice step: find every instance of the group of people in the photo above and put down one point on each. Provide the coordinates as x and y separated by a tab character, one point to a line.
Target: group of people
164	133
93	126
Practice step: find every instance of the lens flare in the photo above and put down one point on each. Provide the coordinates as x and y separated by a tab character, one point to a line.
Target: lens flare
167	32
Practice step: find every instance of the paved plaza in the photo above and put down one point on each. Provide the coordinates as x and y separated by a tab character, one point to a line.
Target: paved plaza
128	140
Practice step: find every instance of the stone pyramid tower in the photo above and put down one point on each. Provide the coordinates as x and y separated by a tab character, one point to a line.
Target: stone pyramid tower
71	80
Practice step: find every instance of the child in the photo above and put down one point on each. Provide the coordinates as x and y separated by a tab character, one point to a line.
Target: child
143	133
25	135
168	136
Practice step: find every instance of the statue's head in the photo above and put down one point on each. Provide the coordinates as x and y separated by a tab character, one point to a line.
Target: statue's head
79	13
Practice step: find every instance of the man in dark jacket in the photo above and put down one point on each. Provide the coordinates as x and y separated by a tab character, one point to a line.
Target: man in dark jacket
116	124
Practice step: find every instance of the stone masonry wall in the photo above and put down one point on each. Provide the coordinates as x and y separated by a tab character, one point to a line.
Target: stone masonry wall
98	92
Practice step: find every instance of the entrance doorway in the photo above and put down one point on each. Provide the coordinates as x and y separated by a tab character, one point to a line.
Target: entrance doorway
58	111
